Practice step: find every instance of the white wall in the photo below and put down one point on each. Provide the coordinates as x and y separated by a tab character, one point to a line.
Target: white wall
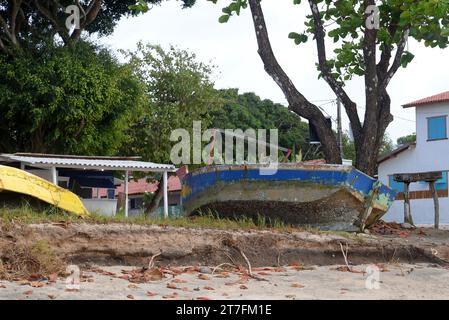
44	174
425	156
107	207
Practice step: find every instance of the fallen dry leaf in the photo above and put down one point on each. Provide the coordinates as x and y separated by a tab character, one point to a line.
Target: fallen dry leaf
170	296
302	268
290	296
23	282
341	269
52	297
151	294
422	233
29	292
172	285
179	281
223	274
153	275
203	298
297	285
263	273
404	234
132	286
262	269
2	286
53	277
72	290
37	284
208	288
130	296
243	287
202	276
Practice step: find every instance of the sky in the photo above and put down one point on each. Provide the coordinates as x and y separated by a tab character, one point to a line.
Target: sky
232	48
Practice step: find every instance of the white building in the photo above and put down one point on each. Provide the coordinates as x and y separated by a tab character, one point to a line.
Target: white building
430	152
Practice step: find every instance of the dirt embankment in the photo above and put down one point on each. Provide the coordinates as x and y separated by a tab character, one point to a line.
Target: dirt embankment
112	244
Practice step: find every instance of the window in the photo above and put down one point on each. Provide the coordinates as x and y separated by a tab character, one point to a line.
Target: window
440	184
436	128
396	186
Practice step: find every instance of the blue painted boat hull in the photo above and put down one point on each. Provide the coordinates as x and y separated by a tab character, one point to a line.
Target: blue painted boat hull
329	197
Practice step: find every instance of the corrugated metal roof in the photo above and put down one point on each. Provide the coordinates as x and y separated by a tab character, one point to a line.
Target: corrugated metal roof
442	97
86	163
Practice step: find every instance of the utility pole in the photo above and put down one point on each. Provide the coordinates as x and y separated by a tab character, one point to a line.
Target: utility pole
339	129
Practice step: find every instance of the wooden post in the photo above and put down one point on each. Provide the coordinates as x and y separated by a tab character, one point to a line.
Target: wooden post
429	177
435	203
407	212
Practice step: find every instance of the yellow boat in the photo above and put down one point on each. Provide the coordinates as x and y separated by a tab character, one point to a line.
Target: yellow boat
19	181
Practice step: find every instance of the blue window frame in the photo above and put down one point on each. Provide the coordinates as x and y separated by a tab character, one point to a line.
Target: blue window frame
442	183
437	128
396	186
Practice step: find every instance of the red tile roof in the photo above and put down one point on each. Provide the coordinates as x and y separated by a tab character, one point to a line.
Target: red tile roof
442	97
141	186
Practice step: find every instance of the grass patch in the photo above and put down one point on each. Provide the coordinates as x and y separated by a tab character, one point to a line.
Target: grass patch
26	214
29	261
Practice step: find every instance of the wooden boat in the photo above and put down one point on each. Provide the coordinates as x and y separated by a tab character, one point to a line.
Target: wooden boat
329	197
17	181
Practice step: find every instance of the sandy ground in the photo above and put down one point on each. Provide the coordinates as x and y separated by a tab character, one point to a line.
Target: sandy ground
396	281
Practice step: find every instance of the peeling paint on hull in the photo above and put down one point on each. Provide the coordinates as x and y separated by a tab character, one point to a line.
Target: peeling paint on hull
332	197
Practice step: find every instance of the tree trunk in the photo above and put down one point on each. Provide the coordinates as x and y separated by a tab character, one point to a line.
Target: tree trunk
297	102
153	207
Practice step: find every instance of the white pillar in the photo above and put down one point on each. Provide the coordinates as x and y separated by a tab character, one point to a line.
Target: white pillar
22	166
54	175
165	195
126	193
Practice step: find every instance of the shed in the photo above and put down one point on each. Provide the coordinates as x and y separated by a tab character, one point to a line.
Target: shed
53	163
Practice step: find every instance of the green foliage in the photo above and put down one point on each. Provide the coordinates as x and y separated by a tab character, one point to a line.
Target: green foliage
386	145
73	99
349	147
25	25
425	19
179	91
406	139
234	7
345	21
244	111
142	6
298	38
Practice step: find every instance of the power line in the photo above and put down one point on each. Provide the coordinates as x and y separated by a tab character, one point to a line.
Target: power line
333	101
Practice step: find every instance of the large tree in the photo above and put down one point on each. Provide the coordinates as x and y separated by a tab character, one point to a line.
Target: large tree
249	111
179	90
370	40
406	139
75	99
26	23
